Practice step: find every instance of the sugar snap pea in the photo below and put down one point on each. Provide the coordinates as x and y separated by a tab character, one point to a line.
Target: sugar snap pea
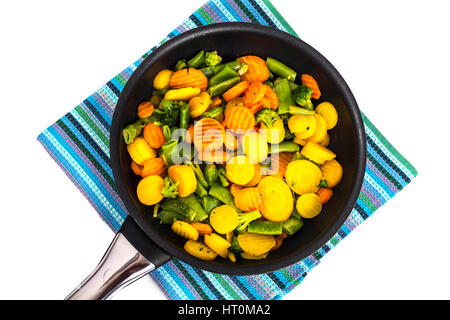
281	69
225	74
285	146
221	87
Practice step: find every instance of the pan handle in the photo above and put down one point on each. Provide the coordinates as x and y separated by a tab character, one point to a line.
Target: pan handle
122	264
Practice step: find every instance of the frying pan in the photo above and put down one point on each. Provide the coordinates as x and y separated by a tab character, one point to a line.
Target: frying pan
143	244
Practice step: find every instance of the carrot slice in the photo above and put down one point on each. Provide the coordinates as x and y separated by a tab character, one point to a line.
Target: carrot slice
191	77
254	93
236	91
270	99
208	134
239	118
257	69
310	82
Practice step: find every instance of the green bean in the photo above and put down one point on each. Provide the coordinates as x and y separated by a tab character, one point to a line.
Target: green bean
134	130
284	94
197	60
213	112
225	74
235	65
293	85
300	111
280	69
265	227
292	225
184	116
285	146
199	174
220	88
222	177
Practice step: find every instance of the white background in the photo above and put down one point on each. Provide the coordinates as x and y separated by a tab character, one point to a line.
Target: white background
393	54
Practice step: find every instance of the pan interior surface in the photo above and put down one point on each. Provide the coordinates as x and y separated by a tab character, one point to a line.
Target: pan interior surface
233	40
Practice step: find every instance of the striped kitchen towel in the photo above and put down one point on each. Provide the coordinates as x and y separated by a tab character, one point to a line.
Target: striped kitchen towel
79	143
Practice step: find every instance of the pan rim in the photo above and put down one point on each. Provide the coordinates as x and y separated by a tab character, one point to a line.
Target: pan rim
243	269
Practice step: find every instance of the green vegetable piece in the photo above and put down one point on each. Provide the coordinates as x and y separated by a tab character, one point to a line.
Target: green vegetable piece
301	111
209	203
184	116
243	69
280	69
292	225
168	113
302	95
168	217
221	193
156	100
223	178
199	174
246	218
220	88
134	130
293	85
213	113
225	74
197	61
170	189
266	116
299	156
208	71
285	146
167	132
194	205
265	227
284	94
181	64
211	173
235	65
169	152
201	191
235	247
212	59
179	207
323	183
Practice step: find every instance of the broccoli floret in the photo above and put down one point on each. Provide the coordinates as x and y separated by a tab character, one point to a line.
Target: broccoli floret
245	218
302	95
266	116
323	183
212	59
181	64
168	113
243	69
170	189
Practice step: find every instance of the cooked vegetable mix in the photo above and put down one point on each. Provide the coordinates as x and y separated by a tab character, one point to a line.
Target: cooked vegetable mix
233	155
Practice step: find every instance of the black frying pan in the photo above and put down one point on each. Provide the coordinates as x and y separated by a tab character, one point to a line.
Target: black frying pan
142	243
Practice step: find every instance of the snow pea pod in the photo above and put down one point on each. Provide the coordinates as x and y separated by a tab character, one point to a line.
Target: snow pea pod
300	111
211	173
221	87
265	227
285	146
280	69
284	94
225	74
197	60
292	225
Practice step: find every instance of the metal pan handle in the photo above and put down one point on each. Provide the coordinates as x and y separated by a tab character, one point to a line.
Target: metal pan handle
122	264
